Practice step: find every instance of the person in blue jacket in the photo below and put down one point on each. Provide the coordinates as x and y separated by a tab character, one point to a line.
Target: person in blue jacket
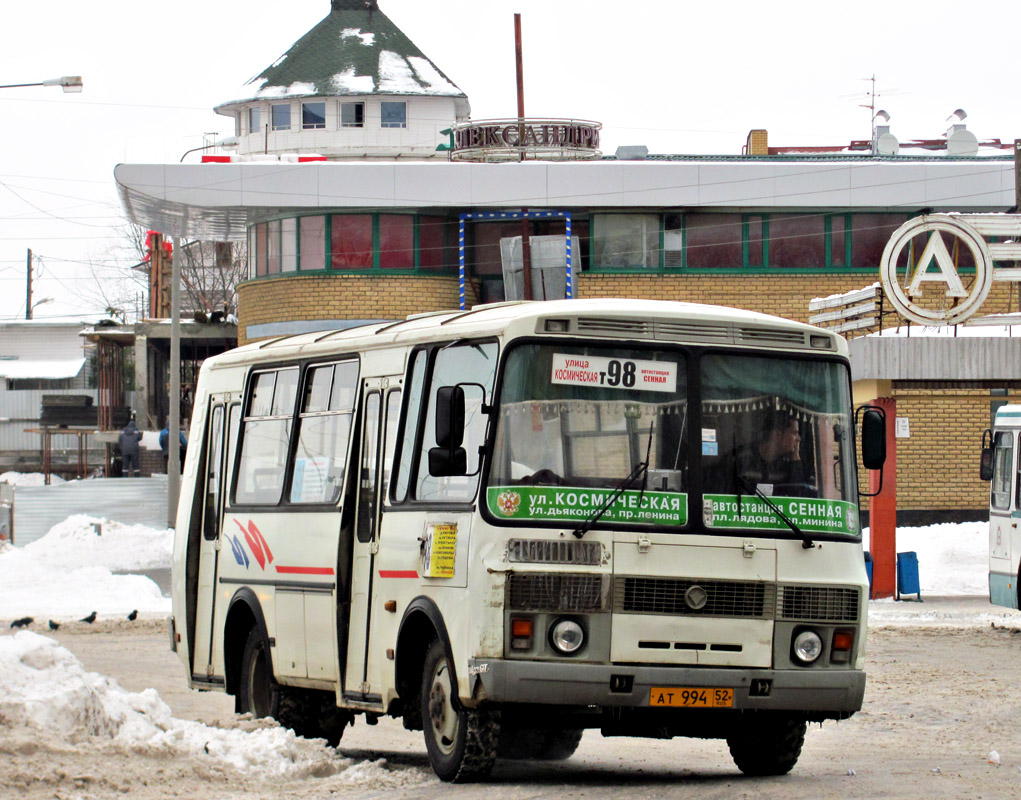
165	440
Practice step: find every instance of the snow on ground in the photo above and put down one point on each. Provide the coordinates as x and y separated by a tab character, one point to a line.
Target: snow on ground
69	572
953	558
47	692
28	479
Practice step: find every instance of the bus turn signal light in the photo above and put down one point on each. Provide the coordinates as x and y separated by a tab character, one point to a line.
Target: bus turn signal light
843	643
521	633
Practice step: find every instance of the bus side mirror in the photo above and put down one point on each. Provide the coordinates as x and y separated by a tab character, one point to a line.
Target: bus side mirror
448	457
985	464
873	438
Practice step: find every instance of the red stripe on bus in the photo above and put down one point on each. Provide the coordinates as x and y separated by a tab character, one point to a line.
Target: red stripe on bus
398	573
305	570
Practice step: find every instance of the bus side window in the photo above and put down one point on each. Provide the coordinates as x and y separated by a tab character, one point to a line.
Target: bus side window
324	430
267	428
367	474
214	471
472	363
416	382
1017	479
392	423
1003	468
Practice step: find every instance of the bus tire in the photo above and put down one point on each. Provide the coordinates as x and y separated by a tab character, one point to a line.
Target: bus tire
768	745
258	693
461	742
560	744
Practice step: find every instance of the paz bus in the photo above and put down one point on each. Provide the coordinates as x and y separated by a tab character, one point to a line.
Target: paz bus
1000	465
512	524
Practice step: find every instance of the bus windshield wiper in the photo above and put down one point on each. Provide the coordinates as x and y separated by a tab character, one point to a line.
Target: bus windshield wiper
641	470
806	540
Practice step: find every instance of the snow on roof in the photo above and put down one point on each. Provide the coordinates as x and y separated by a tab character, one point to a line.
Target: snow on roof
38	368
352	51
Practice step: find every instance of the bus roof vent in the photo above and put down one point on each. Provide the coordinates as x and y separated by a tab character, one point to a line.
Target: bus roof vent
780	336
693	332
600	326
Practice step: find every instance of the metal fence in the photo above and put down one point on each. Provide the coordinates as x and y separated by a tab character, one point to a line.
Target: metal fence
132	501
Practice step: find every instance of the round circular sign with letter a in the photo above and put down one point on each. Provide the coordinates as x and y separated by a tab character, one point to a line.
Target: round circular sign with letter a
936	270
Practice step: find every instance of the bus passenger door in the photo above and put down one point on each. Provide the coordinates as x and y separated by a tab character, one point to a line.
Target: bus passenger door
380	414
209	540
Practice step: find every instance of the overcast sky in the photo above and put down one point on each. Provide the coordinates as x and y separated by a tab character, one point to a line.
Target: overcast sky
678	77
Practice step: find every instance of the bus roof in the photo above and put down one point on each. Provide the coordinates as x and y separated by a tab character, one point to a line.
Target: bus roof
1008	416
624	319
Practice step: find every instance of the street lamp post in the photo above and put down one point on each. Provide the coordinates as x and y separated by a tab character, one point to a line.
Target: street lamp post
68	83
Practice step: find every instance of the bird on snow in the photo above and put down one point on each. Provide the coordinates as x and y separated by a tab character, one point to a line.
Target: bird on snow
133	615
24	622
90	618
54	625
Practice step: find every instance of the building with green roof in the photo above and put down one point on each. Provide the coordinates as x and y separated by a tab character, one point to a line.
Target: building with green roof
355	86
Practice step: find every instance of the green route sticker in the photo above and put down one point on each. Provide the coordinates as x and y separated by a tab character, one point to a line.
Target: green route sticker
810	514
573	504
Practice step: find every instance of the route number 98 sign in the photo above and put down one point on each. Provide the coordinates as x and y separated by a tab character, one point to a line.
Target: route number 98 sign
627	374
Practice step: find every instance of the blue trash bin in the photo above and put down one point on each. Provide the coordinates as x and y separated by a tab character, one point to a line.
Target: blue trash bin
868	570
907	575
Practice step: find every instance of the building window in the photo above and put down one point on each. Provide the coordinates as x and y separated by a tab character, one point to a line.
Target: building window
351	241
869	235
288	245
313	116
254	123
273	247
260	250
797	241
397	241
713	241
312	242
756	241
435	239
281	116
44	384
625	240
352	115
393	114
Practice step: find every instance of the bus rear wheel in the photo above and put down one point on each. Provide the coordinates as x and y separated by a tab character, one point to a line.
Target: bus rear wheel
769	745
258	693
461	742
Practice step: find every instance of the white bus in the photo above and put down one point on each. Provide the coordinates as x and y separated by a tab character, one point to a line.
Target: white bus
512	524
1000	464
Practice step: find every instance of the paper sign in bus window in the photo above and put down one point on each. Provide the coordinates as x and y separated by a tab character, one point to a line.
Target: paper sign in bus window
626	374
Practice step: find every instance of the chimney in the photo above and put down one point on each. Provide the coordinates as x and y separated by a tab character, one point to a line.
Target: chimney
884	143
757	143
960	141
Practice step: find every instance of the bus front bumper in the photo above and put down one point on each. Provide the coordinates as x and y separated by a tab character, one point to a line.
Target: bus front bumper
827	693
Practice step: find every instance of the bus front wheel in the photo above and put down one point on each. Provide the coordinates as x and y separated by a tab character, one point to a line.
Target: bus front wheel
461	742
767	745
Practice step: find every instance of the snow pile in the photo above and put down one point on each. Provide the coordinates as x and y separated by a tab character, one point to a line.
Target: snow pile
29	479
47	690
953	558
69	572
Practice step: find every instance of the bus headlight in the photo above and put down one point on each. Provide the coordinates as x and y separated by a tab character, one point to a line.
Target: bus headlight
807	646
567	636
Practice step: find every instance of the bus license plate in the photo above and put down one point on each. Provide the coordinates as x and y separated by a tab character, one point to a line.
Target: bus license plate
691	698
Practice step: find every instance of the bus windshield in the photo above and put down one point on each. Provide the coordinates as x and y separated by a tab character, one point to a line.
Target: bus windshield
577	422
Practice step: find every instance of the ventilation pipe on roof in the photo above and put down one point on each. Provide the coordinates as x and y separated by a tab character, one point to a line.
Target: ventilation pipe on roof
884	143
632	152
960	141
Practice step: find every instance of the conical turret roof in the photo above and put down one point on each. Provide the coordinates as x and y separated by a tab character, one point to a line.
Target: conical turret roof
356	50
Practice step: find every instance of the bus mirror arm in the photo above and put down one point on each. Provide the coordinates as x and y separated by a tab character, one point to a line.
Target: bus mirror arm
985	464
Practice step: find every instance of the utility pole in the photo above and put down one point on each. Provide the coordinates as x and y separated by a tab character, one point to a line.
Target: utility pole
174	426
28	286
526	228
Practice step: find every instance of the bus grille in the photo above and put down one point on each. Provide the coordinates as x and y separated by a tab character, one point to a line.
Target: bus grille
823	603
556	592
744	599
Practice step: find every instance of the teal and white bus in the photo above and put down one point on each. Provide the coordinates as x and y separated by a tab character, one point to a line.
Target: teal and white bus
1001	466
512	524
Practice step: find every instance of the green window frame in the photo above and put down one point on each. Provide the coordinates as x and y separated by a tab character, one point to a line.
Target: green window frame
259	241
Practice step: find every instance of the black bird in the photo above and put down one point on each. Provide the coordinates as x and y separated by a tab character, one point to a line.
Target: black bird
54	626
133	615
24	622
90	618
